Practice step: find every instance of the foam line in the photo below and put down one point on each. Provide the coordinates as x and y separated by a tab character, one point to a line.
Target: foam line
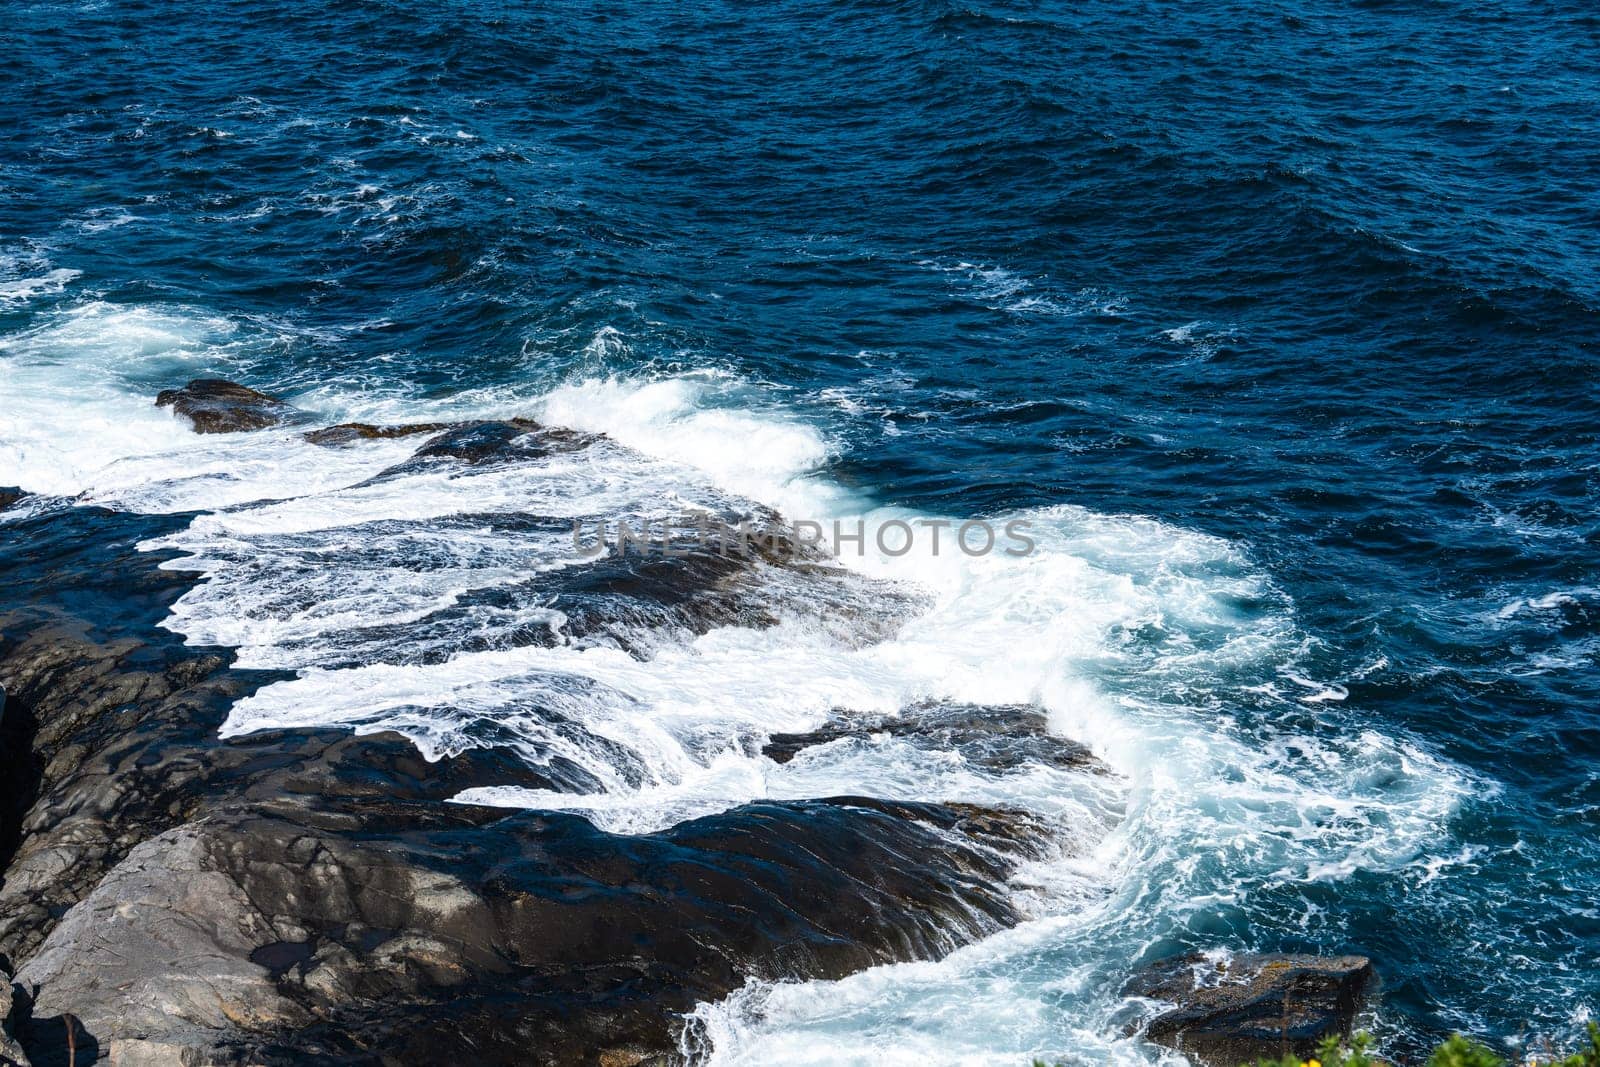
1138	638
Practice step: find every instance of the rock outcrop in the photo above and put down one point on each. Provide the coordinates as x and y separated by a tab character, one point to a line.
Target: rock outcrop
995	737
213	405
348	432
292	931
317	897
10	494
1230	1010
495	441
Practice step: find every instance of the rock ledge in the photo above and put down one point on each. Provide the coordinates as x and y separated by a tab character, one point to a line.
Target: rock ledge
213	405
1233	1010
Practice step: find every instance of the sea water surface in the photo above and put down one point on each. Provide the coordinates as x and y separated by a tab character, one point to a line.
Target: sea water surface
1277	322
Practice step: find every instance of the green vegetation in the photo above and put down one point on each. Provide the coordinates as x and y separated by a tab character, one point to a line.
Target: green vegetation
1357	1052
1459	1051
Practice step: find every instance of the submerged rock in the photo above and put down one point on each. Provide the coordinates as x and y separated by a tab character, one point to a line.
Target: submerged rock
995	737
1233	1010
348	432
213	405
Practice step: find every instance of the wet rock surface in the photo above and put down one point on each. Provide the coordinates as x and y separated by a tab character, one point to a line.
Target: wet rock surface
10	494
995	737
11	1051
396	931
213	405
1233	1010
316	897
494	441
349	432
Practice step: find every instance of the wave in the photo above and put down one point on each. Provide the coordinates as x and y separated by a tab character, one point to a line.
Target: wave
22	290
443	600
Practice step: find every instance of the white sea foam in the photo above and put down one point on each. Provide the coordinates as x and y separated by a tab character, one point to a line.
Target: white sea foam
1203	338
80	418
1001	289
21	290
1135	636
74	407
1210	821
1144	641
1545	603
694	420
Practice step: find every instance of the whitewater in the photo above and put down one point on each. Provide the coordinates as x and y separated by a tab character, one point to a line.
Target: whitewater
1171	654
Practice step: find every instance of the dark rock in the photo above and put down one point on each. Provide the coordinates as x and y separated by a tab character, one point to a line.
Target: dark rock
315	897
91	721
313	932
1237	1010
633	600
213	405
11	1054
502	440
266	919
628	600
123	750
996	737
109	731
84	559
347	432
10	494
484	442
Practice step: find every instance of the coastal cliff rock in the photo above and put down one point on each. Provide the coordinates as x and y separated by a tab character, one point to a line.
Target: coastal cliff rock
317	897
1232	1010
301	931
213	405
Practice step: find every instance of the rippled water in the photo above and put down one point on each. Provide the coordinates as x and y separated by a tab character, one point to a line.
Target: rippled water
1280	328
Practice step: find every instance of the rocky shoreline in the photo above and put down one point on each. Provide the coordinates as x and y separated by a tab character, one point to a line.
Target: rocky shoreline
170	897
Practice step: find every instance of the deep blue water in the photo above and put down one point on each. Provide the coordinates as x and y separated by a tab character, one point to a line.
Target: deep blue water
1322	281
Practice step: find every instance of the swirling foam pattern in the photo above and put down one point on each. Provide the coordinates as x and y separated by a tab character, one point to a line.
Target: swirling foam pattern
1278	328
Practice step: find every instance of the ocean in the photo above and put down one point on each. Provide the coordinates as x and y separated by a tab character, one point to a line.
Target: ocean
1277	325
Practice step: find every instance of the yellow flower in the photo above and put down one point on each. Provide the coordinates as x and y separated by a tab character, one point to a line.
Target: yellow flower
1313	1063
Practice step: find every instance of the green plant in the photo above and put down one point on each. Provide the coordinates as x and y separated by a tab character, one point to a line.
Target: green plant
1333	1053
1463	1051
1458	1051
